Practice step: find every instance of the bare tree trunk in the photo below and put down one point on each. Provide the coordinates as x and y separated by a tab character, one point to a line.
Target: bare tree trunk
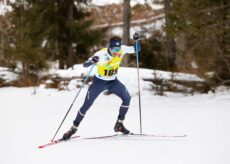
59	49
61	59
1	40
170	42
126	28
70	58
224	44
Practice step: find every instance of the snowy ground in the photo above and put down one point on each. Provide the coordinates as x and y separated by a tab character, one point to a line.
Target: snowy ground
28	120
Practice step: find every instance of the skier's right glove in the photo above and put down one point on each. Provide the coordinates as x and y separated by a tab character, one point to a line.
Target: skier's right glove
95	59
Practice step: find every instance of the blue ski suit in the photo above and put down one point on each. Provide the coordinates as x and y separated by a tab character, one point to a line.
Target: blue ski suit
105	79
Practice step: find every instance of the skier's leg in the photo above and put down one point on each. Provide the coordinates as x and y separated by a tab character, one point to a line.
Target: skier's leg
95	89
121	91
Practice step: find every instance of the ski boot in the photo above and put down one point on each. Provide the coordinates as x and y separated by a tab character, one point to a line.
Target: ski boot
119	127
69	133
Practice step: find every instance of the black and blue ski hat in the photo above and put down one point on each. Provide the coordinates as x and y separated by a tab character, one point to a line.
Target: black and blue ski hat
115	42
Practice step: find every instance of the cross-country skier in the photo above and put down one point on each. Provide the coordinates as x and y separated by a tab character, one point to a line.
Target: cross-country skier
107	61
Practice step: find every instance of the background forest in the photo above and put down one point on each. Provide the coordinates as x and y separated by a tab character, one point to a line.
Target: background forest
194	36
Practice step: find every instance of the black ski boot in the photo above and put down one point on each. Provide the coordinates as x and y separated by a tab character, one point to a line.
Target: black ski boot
119	127
69	133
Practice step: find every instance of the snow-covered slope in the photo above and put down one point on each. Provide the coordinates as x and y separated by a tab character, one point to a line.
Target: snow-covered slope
7	75
30	116
127	75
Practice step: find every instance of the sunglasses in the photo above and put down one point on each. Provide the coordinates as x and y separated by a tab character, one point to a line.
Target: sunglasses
115	49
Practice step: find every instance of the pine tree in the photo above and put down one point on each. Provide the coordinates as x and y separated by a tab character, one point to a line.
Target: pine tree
65	26
6	56
22	46
205	25
170	40
152	52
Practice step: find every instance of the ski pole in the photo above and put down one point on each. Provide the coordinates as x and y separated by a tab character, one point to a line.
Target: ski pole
138	79
86	78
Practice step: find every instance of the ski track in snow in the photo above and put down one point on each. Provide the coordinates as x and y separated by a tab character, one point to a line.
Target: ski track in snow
28	120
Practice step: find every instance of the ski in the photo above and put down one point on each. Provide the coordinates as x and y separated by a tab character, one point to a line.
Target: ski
112	136
160	136
56	142
103	137
137	135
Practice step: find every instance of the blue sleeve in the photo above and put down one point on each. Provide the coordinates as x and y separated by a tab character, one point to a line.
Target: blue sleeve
137	46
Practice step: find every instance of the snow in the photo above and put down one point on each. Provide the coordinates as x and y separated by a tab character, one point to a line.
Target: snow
7	75
103	2
145	74
132	3
30	116
4	8
154	26
131	83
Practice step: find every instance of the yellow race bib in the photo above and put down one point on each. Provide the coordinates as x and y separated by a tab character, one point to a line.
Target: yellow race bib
110	67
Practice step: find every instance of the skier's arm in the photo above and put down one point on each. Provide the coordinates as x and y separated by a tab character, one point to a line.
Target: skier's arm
90	61
131	49
135	47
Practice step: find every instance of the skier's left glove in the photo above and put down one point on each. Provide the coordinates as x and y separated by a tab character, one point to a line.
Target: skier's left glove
136	36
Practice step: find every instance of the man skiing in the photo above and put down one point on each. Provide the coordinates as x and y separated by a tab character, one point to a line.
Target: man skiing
107	61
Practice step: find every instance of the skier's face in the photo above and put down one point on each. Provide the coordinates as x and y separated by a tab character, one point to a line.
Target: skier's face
115	50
